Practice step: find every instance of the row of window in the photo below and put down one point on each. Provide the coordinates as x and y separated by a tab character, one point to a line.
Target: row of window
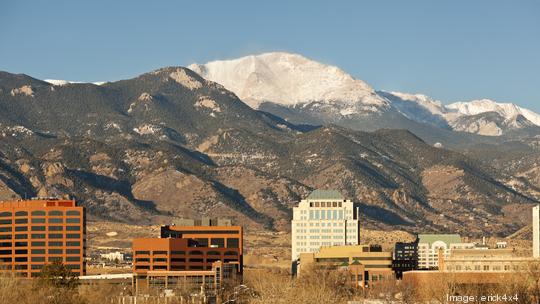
39	251
41	213
174	267
41	244
41	236
325	204
39	259
52	220
195	252
40	228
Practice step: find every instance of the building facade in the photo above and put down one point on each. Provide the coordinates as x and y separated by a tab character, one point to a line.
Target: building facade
37	232
405	257
189	248
536	231
432	246
485	260
365	264
324	218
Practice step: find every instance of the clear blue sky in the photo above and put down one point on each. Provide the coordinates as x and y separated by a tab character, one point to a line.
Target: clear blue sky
451	50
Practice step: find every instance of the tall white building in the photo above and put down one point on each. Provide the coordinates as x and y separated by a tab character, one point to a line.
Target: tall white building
429	246
536	231
324	218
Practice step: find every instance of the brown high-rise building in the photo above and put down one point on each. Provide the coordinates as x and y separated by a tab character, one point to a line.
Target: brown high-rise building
37	232
189	248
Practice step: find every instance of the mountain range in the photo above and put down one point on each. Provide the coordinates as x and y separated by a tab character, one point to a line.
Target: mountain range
308	92
177	142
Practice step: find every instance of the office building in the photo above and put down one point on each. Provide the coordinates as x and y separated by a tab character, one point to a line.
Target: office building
365	264
536	231
405	257
324	218
431	247
189	248
36	232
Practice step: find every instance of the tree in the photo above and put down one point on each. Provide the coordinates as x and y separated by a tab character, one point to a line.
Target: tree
58	275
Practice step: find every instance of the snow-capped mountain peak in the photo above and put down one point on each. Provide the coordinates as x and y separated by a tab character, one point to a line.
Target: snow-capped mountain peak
287	79
506	110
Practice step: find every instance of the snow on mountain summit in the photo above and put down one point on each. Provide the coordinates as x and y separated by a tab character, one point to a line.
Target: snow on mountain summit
287	79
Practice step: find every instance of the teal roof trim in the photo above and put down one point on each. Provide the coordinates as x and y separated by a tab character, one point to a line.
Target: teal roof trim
325	195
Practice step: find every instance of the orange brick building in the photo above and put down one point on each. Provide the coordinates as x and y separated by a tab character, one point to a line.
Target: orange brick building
189	248
36	232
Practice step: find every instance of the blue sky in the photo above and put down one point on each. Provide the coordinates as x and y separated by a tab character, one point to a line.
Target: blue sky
450	50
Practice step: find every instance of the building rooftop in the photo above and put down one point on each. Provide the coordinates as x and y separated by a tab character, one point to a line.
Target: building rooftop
447	238
325	195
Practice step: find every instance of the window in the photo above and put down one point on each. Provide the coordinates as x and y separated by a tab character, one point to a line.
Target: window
21	228
74	244
160	260
5	237
486	267
230	253
5	229
178	252
21	244
159	252
73	213
38	251
5	244
73	228
142	252
73	251
55	228
142	260
21	251
55	213
218	242
21	236
21	259
55	236
56	220
74	220
73	259
36	267
38	213
21	213
55	259
38	228
38	259
55	251
4	252
196	252
213	253
5	222
38	244
21	221
38	221
56	244
73	236
5	214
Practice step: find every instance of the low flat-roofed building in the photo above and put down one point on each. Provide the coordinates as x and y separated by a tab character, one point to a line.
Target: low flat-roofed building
366	264
177	254
484	260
